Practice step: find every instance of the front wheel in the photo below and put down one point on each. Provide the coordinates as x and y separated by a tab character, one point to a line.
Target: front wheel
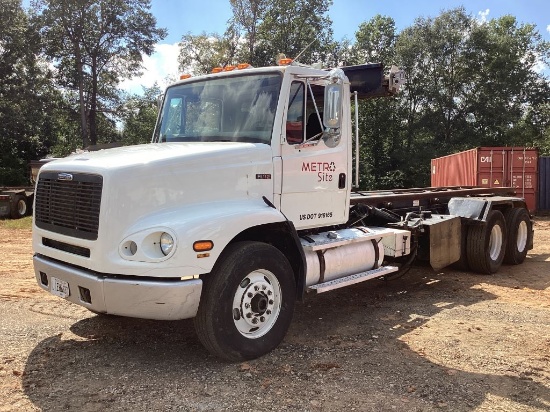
247	302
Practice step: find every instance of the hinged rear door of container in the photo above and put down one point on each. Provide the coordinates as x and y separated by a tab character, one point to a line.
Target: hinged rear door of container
523	174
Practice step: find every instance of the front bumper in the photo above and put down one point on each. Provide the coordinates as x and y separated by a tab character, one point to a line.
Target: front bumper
146	299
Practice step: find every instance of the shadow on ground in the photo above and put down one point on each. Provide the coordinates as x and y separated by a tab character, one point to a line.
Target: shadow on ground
344	351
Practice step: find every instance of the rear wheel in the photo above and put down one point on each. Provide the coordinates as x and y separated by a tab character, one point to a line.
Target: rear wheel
18	207
247	302
520	235
462	263
486	244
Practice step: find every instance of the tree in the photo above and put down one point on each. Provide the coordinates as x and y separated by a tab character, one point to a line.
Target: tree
94	45
469	83
379	119
268	28
140	116
291	27
199	54
28	101
247	17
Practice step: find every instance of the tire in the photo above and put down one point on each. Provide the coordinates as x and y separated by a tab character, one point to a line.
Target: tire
247	302
486	244
18	207
520	235
462	263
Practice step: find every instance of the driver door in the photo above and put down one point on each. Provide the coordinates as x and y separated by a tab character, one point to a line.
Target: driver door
314	175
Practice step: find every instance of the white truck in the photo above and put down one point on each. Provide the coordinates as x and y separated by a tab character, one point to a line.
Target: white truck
243	203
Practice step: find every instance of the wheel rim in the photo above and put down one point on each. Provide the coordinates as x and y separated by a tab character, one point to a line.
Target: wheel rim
495	242
521	240
257	304
21	207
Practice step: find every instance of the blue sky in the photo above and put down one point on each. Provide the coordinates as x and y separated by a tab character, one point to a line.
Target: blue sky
197	16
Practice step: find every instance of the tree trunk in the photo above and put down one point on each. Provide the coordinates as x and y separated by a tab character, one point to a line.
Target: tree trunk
83	120
93	104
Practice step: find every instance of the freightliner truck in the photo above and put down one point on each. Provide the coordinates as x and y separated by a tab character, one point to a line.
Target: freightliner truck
244	202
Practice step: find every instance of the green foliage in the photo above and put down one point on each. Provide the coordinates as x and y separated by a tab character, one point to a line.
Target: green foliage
292	27
268	29
471	83
94	45
141	115
28	100
199	54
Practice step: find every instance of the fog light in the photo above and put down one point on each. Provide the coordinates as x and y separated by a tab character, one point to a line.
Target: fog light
43	279
166	243
85	295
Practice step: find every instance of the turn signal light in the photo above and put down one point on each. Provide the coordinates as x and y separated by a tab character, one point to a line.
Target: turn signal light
241	66
285	62
185	76
229	68
217	69
203	245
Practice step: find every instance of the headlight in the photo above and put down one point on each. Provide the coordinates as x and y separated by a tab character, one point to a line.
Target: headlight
166	243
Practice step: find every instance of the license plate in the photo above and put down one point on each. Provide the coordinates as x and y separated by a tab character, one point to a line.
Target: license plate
59	287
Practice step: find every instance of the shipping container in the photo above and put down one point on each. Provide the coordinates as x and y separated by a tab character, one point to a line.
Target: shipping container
544	184
491	167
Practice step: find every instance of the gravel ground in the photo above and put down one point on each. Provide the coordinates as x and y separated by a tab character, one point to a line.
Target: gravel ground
445	341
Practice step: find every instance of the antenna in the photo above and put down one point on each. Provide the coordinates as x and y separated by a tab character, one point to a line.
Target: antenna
303	50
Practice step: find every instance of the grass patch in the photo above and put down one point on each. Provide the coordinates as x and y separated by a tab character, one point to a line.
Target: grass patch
24	223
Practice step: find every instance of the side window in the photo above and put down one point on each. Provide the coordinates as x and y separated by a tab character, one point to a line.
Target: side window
313	126
174	119
295	114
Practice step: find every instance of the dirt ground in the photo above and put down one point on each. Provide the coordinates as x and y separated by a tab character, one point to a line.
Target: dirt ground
447	341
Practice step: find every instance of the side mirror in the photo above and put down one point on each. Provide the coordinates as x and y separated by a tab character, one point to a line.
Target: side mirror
334	90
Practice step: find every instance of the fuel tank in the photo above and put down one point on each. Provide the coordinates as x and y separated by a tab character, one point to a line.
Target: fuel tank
344	252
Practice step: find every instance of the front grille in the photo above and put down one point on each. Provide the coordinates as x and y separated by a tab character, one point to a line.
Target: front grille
69	205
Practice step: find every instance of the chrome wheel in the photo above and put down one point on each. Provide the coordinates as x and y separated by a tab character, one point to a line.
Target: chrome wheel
495	242
523	235
257	304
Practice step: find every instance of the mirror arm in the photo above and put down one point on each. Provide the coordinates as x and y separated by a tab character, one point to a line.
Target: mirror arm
314	103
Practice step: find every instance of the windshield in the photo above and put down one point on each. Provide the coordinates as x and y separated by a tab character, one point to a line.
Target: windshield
226	109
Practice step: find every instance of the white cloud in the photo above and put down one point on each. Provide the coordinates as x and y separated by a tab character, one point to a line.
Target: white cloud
160	67
483	15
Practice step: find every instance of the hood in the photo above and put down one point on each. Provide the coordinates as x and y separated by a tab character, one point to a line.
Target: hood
146	155
145	180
